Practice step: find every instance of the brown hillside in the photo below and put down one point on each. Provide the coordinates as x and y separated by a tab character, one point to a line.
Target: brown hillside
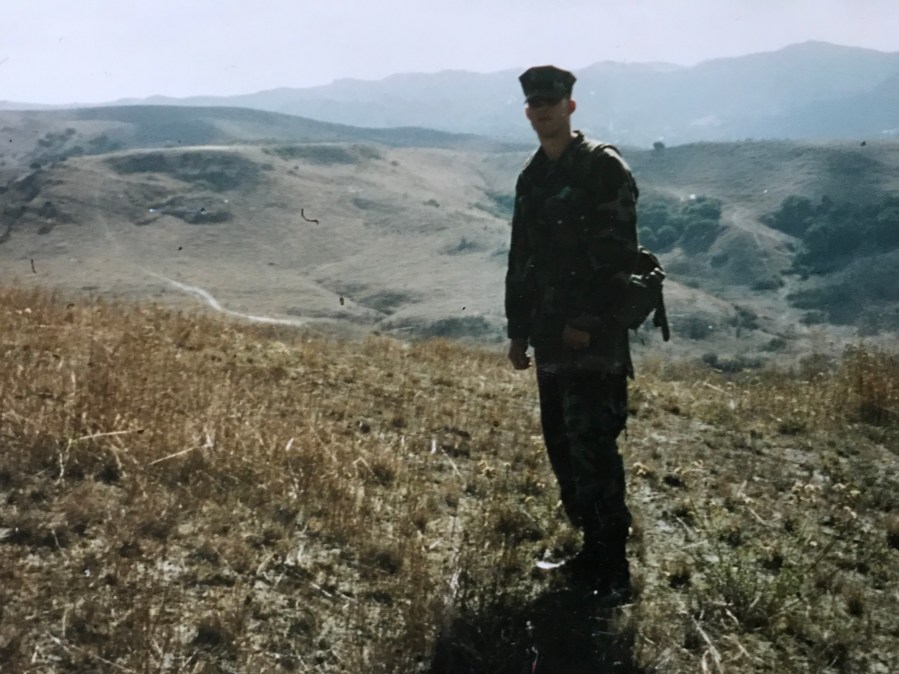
390	246
408	240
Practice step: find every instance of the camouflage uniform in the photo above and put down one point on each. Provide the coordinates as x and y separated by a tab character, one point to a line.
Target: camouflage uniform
573	250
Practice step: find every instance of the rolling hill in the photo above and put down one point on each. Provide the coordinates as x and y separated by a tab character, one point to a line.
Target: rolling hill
364	231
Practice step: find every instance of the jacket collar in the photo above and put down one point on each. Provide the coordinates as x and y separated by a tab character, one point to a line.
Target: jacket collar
565	160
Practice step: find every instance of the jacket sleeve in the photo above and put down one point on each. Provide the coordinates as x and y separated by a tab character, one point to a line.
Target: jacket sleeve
611	243
633	296
617	201
520	290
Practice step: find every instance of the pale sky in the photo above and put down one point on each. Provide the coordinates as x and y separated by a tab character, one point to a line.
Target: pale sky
87	51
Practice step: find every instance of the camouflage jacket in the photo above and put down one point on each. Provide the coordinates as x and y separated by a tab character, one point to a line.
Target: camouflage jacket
573	250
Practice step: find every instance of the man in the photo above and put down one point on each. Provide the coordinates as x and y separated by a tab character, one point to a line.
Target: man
573	266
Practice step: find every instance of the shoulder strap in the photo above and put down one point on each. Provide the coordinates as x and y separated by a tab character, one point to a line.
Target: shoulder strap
590	150
647	261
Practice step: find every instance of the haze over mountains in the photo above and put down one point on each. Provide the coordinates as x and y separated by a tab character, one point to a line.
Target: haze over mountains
812	90
770	244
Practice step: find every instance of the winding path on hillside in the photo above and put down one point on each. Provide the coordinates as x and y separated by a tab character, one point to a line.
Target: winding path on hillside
204	295
210	301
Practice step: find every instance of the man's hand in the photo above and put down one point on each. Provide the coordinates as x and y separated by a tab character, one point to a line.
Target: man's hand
654	278
518	354
574	338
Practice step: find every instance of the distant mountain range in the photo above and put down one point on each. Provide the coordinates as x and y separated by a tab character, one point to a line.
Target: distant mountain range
812	90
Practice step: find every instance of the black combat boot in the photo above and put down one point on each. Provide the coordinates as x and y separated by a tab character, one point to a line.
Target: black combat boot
601	566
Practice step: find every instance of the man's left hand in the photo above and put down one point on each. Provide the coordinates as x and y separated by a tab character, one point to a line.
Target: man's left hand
654	278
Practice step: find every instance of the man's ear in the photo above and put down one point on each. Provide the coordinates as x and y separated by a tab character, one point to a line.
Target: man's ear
572	105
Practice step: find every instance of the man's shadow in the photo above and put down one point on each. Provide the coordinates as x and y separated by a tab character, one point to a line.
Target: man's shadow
562	631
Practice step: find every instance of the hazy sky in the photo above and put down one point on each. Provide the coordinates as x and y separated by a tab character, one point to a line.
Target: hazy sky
54	51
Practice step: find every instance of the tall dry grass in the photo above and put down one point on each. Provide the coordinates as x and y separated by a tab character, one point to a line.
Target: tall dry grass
181	493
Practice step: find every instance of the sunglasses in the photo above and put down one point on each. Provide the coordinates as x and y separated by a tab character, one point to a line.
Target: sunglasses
543	101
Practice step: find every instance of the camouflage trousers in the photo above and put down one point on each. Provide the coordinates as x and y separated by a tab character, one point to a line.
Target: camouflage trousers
582	414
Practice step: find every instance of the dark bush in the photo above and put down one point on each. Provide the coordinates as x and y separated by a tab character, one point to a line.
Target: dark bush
648	238
832	234
814	317
768	283
666	237
326	153
213	169
745	318
794	217
695	327
699	235
867	286
730	365
775	344
693	223
101	144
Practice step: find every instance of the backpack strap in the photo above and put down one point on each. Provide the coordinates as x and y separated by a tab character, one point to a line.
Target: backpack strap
660	318
647	261
652	300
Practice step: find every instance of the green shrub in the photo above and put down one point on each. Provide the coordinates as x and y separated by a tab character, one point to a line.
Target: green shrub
699	235
666	237
693	223
326	153
866	288
731	365
834	234
695	327
794	216
775	344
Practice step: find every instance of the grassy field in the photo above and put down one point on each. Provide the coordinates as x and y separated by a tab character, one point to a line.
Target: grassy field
184	493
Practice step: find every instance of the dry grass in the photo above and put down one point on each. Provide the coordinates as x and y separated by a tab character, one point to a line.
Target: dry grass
179	493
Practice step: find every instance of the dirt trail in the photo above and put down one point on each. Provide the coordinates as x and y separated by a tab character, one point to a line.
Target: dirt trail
213	303
205	296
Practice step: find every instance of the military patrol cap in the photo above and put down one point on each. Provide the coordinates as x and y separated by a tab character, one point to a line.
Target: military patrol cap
546	82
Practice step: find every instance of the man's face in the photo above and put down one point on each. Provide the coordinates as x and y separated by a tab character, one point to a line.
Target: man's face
549	116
